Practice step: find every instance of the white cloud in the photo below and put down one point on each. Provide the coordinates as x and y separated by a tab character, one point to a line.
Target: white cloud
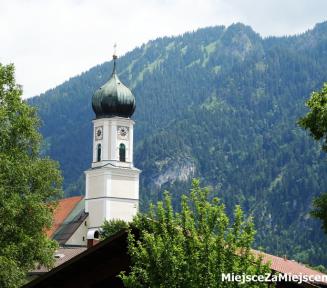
50	41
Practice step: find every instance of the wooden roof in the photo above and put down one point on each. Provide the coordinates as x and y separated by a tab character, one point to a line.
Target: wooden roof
99	266
62	255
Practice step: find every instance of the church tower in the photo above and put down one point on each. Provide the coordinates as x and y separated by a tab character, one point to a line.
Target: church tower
112	182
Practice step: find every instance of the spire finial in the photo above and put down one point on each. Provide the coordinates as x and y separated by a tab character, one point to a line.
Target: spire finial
115	50
114	57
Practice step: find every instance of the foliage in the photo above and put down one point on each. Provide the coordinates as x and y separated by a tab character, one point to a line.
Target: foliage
316	122
316	119
320	268
111	227
28	186
221	104
320	209
191	248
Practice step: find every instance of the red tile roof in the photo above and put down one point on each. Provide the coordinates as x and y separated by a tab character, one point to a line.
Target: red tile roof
64	208
285	266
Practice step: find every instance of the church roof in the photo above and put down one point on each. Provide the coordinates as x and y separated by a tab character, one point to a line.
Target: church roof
113	98
76	217
63	210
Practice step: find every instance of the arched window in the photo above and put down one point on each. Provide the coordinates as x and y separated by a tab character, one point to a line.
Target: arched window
96	234
99	152
122	153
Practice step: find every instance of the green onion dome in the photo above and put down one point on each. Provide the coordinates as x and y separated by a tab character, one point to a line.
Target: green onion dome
113	98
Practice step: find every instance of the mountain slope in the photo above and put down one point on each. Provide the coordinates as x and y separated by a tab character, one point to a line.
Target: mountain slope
220	104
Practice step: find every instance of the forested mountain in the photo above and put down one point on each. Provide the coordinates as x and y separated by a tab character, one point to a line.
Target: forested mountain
221	104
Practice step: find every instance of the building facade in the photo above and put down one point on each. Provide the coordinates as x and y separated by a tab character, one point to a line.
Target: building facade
112	181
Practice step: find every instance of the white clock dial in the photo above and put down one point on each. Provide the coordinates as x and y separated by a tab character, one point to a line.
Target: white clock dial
122	131
98	133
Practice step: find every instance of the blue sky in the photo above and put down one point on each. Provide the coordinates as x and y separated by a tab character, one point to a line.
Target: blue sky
50	41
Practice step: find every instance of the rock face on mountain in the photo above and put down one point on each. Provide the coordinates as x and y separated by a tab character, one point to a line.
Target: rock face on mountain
221	104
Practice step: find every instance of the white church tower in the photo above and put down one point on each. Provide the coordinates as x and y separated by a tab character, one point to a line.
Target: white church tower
112	182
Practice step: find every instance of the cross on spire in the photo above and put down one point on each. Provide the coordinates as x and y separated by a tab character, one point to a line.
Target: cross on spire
114	57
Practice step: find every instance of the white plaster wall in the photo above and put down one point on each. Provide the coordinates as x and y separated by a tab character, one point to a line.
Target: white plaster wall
110	141
123	187
97	212
97	185
105	141
108	185
131	135
128	142
77	237
113	140
86	191
97	123
112	188
122	209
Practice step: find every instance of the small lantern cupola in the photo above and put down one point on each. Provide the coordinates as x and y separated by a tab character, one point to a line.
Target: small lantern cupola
113	98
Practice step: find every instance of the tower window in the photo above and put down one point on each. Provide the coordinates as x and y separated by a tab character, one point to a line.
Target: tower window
122	152
99	152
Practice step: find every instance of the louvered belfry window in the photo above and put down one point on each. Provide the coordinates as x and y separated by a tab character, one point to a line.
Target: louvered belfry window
122	153
99	152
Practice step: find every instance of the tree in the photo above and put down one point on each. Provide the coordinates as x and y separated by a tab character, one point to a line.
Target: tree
111	227
29	185
191	248
316	122
316	119
320	209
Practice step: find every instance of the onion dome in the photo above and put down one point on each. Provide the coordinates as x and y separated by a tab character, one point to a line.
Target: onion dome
113	98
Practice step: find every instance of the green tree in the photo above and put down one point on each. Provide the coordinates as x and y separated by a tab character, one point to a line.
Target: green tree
320	209
29	185
316	122
111	227
191	248
316	119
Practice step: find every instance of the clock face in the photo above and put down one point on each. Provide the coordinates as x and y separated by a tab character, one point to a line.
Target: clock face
122	131
98	133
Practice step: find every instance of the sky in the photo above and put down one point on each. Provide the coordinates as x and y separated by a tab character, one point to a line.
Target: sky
50	41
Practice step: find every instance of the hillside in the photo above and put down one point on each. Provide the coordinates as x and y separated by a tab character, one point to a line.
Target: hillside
221	104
